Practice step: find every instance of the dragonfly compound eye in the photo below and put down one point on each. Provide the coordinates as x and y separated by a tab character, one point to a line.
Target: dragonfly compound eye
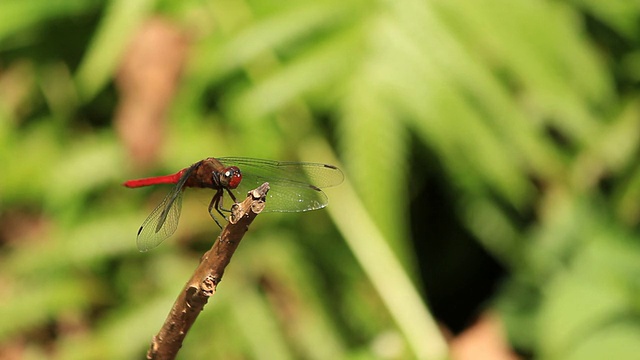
232	177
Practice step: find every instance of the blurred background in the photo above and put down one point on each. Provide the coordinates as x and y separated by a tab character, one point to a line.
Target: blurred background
491	199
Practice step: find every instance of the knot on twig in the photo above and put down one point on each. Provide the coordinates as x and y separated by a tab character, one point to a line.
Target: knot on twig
209	285
196	298
259	196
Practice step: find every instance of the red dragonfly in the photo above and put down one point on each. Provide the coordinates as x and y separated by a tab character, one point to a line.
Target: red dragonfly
295	187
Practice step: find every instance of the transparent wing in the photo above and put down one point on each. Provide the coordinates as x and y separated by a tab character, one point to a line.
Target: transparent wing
295	186
161	223
163	220
282	196
316	174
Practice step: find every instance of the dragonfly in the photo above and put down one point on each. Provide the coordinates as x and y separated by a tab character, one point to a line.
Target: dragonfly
294	187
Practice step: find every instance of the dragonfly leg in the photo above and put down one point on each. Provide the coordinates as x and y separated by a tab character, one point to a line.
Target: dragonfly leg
215	203
233	197
220	207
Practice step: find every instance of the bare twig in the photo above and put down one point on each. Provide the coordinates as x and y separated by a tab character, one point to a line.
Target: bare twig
206	277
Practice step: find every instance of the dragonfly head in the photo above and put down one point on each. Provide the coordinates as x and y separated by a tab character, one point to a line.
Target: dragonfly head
231	177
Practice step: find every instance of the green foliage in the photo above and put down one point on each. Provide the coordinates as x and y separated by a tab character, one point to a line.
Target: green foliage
526	110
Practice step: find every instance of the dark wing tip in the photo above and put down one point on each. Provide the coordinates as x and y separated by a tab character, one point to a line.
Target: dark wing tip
315	188
338	178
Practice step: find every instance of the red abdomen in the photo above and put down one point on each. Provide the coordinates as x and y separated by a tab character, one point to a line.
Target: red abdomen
166	179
